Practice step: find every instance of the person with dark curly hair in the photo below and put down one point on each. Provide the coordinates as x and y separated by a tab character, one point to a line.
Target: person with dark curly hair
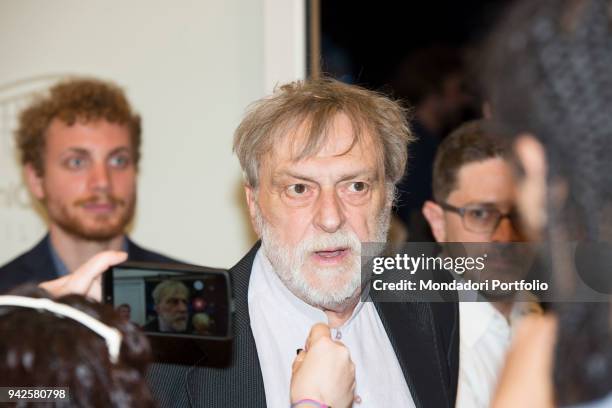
549	80
100	360
80	149
75	343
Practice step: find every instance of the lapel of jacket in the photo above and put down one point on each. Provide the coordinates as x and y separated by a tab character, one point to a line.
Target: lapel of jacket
411	330
240	384
133	250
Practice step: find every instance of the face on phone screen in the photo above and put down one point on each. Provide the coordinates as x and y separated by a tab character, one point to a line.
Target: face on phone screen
173	302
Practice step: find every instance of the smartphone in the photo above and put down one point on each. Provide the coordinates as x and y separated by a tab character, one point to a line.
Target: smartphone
184	310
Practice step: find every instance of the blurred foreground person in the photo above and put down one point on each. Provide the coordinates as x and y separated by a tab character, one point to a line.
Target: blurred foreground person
550	84
475	202
80	148
86	347
76	343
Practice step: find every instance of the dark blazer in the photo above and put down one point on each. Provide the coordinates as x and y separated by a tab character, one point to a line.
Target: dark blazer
425	338
36	265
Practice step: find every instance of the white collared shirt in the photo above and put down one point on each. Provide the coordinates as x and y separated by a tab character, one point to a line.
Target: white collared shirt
281	322
484	338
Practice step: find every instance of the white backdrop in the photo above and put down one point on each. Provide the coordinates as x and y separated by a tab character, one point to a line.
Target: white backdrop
190	68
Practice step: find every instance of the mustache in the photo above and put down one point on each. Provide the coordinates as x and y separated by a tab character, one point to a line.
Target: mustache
97	199
339	239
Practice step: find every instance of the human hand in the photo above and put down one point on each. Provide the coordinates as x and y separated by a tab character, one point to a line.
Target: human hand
86	280
526	379
323	371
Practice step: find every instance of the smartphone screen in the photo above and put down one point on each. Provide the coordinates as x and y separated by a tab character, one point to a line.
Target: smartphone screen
171	299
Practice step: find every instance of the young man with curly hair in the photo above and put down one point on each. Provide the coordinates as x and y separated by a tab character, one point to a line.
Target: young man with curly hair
80	148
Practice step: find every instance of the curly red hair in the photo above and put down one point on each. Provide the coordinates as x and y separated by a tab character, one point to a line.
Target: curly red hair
81	99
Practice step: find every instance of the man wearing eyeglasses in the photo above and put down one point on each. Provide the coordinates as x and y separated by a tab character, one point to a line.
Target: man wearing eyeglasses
474	194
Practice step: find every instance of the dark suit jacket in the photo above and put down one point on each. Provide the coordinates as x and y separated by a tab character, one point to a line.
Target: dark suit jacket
36	265
425	338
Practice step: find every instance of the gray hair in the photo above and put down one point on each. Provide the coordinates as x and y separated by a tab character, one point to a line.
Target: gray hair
166	287
315	104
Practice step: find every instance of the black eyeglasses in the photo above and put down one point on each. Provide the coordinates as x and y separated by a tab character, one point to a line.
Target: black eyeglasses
481	218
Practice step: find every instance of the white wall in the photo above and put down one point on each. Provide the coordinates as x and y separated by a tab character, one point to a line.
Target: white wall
190	68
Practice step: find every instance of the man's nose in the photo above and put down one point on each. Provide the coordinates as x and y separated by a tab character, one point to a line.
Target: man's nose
329	216
99	178
505	231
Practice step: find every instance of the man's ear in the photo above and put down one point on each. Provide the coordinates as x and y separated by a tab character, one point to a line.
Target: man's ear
434	214
252	204
34	181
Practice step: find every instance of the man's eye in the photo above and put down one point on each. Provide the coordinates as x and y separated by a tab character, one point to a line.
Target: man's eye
358	187
297	190
480	213
75	162
119	161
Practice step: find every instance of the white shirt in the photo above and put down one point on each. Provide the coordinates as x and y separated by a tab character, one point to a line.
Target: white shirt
484	338
281	322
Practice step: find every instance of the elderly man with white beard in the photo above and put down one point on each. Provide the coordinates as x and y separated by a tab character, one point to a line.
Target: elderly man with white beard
320	160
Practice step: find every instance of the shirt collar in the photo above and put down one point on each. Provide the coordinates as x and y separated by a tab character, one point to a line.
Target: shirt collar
58	264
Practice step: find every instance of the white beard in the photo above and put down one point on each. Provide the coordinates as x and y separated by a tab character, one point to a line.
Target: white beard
329	288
